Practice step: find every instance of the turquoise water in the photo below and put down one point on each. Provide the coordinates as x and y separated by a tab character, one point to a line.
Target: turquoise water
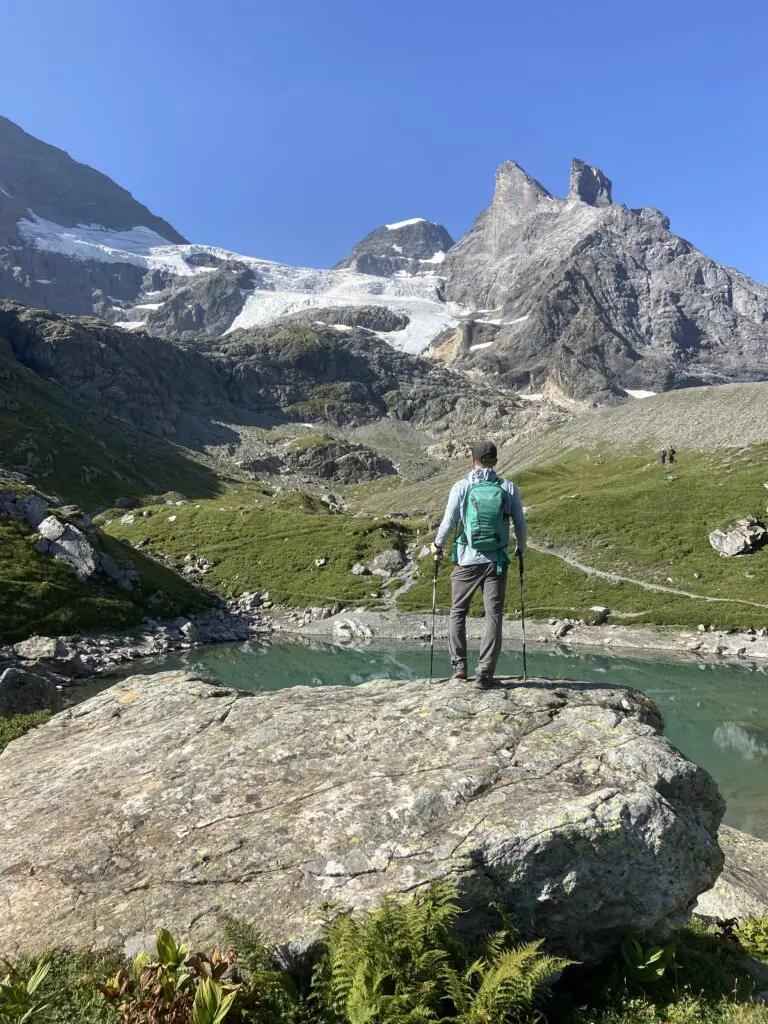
717	714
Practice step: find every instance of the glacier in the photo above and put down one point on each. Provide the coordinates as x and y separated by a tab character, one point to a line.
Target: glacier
281	288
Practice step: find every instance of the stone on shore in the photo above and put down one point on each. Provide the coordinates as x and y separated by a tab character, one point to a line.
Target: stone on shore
172	799
742	888
23	693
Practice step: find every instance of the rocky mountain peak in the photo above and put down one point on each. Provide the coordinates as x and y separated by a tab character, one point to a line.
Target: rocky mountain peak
589	184
516	189
414	246
40	180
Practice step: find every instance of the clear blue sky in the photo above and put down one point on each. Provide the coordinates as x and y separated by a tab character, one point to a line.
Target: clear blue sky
290	129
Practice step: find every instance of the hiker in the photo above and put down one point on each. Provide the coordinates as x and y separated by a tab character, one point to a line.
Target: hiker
672	454
663	456
481	507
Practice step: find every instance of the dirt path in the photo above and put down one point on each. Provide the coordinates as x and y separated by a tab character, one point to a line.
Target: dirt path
591	571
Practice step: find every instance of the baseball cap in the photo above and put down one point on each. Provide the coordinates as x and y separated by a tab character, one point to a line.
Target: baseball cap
484	451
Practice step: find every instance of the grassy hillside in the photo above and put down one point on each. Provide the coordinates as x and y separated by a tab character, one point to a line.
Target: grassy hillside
66	447
260	541
692	419
624	515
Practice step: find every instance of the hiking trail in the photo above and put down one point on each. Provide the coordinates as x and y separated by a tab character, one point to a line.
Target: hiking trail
590	570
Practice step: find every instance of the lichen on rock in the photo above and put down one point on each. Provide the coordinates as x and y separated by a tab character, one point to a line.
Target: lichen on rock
169	798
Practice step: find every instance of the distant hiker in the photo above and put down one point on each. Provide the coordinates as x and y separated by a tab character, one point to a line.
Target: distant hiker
481	506
672	454
663	456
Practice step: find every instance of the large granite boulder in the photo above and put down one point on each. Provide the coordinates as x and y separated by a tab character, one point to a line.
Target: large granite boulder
171	799
23	692
742	537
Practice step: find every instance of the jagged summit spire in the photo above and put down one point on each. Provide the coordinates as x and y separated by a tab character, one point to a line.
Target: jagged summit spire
589	184
516	188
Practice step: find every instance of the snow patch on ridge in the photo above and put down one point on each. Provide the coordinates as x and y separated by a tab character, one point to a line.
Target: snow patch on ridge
633	393
406	223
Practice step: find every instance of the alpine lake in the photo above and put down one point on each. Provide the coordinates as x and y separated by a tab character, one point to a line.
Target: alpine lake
715	713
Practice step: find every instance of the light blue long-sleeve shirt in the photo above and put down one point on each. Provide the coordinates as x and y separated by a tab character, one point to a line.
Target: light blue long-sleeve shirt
455	512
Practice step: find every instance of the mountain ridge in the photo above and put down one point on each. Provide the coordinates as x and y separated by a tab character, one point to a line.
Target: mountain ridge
576	298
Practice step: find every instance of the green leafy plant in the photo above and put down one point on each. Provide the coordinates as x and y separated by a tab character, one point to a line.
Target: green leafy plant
752	934
176	987
402	963
271	992
18	994
646	965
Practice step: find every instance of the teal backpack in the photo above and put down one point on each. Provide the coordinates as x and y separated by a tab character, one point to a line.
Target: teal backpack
484	527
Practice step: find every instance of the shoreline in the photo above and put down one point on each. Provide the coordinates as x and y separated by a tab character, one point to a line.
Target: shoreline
66	661
359	625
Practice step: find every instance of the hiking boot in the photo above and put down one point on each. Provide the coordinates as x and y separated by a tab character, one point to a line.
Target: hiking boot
484	682
459	671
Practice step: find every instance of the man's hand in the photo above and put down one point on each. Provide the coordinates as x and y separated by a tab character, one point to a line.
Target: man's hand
437	550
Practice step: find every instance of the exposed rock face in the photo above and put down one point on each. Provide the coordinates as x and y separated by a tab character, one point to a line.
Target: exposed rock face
174	800
373	318
289	373
589	185
46	180
149	382
41	181
339	461
412	246
742	537
742	888
581	298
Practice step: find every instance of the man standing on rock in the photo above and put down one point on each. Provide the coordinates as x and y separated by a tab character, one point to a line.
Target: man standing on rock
481	506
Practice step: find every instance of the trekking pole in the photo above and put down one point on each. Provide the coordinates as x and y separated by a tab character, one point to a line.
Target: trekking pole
522	614
434	606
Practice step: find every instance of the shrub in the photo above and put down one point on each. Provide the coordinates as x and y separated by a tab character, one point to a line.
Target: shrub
17	725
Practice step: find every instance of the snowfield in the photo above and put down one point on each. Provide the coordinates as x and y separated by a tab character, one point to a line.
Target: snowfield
281	289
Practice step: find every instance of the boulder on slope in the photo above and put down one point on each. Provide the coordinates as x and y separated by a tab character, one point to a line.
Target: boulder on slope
741	537
171	799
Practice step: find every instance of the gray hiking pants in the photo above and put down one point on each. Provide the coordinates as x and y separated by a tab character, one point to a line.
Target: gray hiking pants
465	579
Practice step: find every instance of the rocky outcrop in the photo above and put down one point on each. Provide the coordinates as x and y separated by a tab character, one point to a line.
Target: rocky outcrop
589	185
581	298
174	800
339	461
741	537
372	318
200	394
66	542
411	246
23	693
